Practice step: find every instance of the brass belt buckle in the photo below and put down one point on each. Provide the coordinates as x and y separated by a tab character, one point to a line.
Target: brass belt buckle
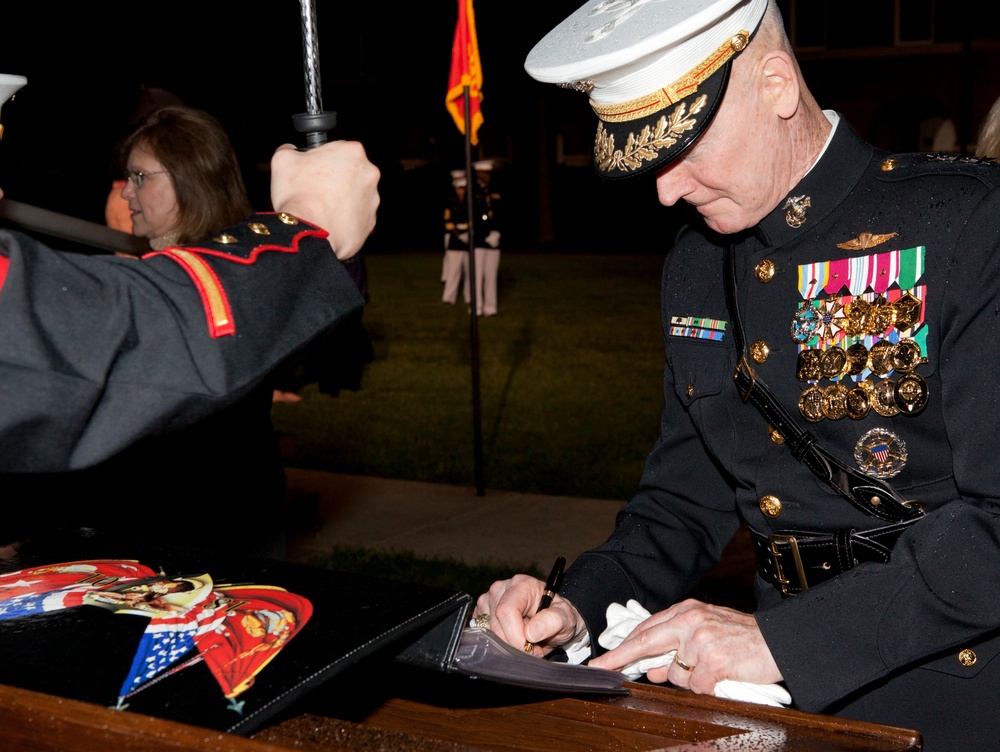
793	546
743	366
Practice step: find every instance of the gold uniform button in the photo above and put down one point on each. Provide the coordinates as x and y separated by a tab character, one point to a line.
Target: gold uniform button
739	42
764	271
775	435
889	165
690	390
225	238
770	506
287	219
258	228
759	351
967	657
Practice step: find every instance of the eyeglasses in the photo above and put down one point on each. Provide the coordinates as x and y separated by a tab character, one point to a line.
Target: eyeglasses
138	177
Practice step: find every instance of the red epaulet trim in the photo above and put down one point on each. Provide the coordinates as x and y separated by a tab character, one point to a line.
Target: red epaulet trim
218	311
292	247
213	297
4	264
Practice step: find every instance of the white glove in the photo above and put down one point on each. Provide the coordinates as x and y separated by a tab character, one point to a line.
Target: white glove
623	619
464	237
493	239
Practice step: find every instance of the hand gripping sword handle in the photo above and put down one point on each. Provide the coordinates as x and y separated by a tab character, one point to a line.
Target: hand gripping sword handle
314	122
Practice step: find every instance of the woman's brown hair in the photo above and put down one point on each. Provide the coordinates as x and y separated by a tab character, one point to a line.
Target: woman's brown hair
193	147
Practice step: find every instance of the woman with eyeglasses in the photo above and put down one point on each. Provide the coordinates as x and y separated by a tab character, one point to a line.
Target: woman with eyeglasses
222	479
182	178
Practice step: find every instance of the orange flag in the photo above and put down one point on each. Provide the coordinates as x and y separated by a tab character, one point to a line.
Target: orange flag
465	71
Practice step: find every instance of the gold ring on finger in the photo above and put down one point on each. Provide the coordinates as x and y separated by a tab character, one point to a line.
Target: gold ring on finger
682	665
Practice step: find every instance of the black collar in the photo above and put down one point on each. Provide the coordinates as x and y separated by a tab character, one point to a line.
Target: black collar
827	185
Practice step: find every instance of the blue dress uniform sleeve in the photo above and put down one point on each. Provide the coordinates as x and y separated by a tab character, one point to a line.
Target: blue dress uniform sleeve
99	351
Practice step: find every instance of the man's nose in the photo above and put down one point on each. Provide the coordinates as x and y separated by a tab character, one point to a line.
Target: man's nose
672	184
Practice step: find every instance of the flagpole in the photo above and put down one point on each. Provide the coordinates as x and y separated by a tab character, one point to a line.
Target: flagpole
466	74
477	429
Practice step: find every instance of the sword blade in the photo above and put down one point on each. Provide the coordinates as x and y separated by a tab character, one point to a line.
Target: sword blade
315	121
310	58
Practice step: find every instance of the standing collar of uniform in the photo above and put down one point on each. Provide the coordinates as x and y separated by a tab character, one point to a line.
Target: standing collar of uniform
825	186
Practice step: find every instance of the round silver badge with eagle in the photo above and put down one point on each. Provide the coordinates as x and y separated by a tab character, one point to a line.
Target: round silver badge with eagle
881	453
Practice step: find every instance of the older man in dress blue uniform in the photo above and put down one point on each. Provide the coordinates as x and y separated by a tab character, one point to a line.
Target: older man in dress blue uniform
827	318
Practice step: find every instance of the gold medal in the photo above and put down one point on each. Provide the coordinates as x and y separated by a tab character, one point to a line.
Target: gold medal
859	402
907	311
881	453
857	359
857	314
910	394
884	398
879	357
883	317
811	404
835	401
905	355
809	366
833	362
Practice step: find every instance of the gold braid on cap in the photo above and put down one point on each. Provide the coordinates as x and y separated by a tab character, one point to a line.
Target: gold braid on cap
647	144
669	95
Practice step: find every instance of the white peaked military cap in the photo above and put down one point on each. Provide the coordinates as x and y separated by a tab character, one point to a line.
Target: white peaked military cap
655	71
458	178
483	165
9	86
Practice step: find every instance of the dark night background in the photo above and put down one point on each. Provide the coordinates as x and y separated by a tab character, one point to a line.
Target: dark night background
385	72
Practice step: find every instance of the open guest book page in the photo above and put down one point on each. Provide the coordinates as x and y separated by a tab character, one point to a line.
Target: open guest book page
478	653
482	655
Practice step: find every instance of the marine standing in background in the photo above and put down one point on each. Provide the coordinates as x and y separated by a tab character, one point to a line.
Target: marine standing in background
487	241
455	268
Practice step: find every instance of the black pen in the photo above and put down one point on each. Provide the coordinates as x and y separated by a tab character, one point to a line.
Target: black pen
551	588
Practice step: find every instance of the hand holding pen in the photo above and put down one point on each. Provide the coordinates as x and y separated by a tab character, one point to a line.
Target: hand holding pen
552	585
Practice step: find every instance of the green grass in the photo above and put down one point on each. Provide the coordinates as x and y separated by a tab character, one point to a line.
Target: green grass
570	379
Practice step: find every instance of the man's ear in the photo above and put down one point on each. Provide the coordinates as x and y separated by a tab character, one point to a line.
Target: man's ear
781	83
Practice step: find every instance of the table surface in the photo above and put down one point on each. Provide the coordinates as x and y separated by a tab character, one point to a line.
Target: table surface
460	713
413	710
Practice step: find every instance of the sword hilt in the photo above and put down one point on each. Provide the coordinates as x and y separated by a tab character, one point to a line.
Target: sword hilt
315	126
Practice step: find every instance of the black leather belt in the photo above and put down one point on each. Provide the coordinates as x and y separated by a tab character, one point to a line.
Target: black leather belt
793	560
